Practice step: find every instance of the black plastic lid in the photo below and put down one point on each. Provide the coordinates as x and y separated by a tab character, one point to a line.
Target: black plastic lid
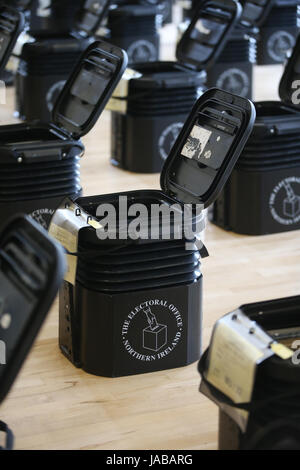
208	147
206	36
166	75
91	16
255	12
89	88
11	25
121	12
32	267
274	314
289	87
44	51
274	118
277	314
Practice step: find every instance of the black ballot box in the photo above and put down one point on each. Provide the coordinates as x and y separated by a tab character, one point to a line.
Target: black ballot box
261	411
132	301
40	162
278	33
154	98
262	194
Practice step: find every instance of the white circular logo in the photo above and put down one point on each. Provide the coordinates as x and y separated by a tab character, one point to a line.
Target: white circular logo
53	94
235	81
168	138
43	216
152	330
279	44
141	51
284	201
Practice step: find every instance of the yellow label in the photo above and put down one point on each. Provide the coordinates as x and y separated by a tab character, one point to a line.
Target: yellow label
282	351
121	91
93	223
115	104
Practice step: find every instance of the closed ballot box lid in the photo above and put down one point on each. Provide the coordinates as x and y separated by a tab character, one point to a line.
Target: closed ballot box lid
289	88
207	147
32	267
89	88
206	36
11	25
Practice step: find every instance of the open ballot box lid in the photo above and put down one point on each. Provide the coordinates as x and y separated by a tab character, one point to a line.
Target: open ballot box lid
289	87
195	171
91	16
212	24
198	49
89	88
255	12
205	37
11	25
32	267
208	147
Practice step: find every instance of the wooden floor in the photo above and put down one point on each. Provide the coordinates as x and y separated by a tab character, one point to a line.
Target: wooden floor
53	405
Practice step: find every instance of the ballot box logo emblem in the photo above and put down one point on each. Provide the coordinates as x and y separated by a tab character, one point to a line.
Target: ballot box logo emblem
284	201
43	216
141	51
168	138
279	44
152	330
234	81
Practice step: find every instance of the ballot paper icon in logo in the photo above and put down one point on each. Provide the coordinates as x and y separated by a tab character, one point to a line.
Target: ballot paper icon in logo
291	203
155	336
196	142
